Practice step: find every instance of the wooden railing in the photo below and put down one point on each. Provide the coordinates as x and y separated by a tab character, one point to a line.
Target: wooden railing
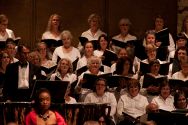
74	114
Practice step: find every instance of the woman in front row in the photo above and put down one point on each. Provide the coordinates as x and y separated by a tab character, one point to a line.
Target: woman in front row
42	115
133	104
100	95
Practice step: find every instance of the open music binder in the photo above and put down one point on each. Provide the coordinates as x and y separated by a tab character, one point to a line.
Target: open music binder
151	80
49	70
163	37
91	78
57	89
83	40
116	80
109	57
164	68
52	42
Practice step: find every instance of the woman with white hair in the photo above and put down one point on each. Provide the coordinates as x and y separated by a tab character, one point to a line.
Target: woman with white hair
66	50
93	64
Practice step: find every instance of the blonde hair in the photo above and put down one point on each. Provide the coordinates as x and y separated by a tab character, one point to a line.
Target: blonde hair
70	70
49	26
93	58
68	33
3	18
93	16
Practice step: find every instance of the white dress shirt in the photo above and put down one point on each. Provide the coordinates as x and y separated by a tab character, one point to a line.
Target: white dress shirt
106	98
23	77
49	35
179	75
8	34
72	55
90	36
134	107
167	104
68	77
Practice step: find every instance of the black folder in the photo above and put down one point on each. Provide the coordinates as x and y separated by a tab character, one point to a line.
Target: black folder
81	70
169	118
74	64
115	81
95	43
150	80
118	43
2	44
15	41
91	78
56	88
162	53
83	40
177	83
109	57
49	70
163	37
52	42
164	68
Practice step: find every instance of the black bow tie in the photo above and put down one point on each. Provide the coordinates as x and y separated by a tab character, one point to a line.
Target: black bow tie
23	64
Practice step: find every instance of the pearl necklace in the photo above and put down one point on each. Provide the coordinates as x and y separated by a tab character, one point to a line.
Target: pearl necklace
44	117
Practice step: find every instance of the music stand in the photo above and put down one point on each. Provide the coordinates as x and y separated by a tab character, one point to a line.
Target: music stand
57	89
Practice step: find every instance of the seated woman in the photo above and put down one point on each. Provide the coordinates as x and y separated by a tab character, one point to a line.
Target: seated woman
151	90
64	71
132	104
103	45
66	50
181	41
42	114
45	59
93	64
174	67
121	53
100	95
180	100
165	100
88	52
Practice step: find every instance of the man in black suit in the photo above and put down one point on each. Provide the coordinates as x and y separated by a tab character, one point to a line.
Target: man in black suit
20	77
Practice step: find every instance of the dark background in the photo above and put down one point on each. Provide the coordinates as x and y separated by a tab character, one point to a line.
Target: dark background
28	18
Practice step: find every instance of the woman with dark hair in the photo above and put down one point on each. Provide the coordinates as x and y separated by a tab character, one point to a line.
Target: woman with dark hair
88	52
164	100
174	67
132	104
180	100
42	114
124	67
184	28
103	45
151	90
100	95
159	24
4	61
